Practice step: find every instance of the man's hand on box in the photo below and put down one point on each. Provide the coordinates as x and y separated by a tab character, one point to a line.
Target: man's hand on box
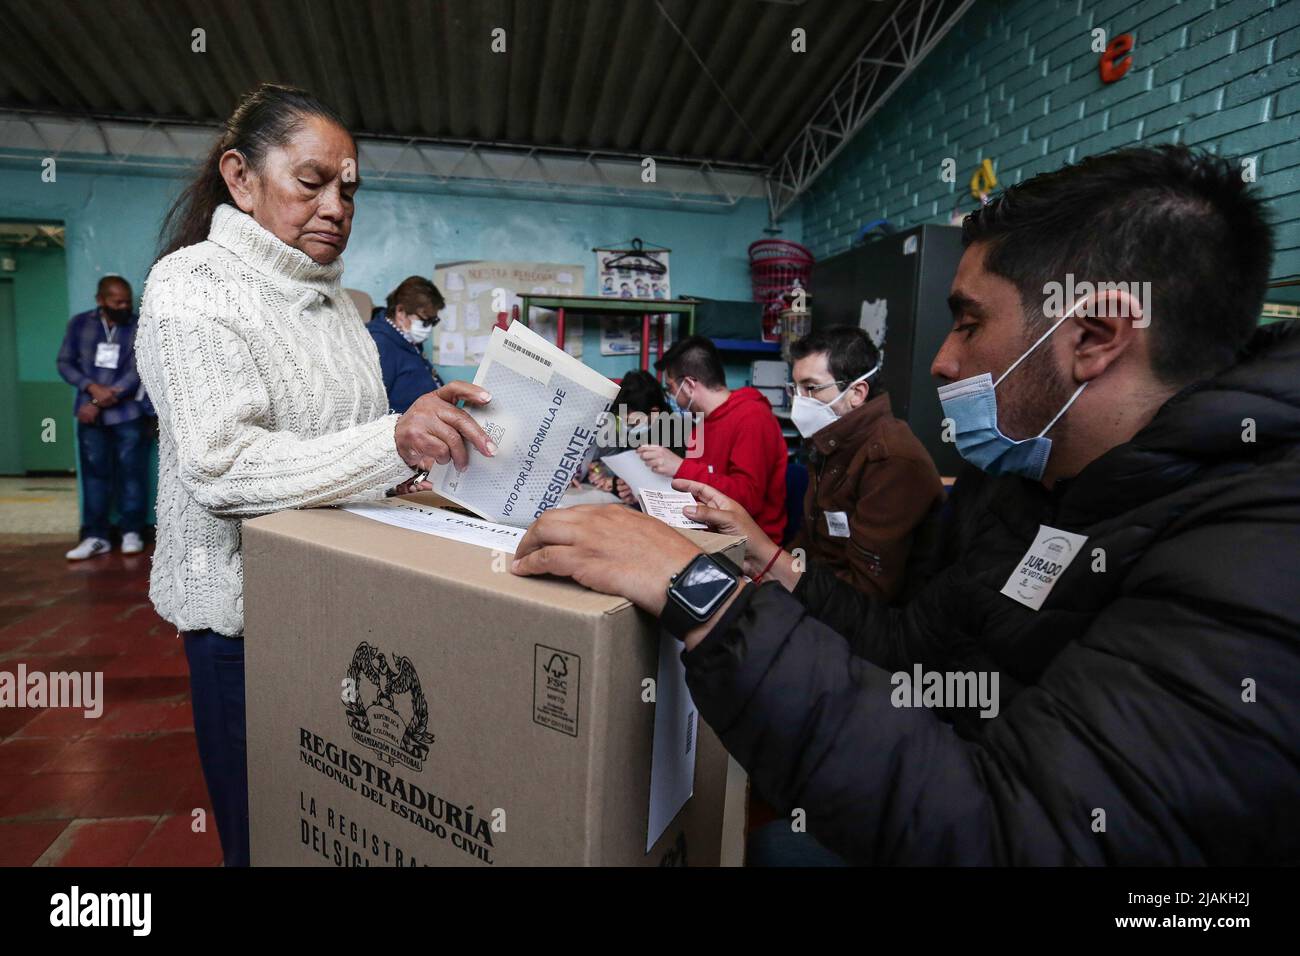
659	459
434	431
607	548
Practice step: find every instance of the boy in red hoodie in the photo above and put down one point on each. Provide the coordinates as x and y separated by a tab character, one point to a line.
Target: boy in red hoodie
739	449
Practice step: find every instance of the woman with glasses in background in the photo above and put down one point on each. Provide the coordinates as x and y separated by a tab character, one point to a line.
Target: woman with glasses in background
399	332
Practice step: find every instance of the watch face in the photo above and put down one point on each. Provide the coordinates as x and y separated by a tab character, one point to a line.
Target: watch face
702	585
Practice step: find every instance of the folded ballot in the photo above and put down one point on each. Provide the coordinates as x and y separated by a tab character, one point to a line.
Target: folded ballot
545	411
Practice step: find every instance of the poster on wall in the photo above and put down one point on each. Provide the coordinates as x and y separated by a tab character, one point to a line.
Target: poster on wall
632	272
476	290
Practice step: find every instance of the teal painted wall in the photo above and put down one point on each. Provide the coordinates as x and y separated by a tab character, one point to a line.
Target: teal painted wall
397	234
1017	81
41	314
112	220
112	225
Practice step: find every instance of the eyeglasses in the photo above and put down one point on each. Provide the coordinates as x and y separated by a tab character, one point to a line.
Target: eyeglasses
427	321
793	388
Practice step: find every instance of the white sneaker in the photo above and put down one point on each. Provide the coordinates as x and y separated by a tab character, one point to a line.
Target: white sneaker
89	548
132	543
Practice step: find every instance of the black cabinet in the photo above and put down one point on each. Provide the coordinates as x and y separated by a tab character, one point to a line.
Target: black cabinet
912	272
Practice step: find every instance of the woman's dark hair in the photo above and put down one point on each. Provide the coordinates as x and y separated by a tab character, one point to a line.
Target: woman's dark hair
265	118
640	392
412	293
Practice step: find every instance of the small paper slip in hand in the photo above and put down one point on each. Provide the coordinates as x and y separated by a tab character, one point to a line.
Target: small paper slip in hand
667	507
629	466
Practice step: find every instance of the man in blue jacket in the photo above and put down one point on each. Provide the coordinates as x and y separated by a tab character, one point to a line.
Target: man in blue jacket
399	332
113	433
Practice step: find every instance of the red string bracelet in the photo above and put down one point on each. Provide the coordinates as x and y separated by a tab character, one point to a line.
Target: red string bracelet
769	566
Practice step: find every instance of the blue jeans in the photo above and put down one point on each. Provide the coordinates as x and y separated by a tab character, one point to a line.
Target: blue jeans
217	697
109	451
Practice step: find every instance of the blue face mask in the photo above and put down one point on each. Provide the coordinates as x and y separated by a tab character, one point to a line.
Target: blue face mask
674	406
971	404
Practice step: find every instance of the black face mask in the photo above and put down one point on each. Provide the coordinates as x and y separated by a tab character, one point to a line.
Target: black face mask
120	316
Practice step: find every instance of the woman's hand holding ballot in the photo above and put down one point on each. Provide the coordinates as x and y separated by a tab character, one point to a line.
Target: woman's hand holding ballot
434	431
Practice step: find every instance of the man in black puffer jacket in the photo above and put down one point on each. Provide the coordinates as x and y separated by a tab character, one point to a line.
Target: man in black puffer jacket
1128	588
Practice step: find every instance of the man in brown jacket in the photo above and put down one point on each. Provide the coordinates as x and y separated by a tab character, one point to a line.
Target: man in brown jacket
871	483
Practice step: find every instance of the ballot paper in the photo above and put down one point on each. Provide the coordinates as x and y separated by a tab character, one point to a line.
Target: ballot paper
440	522
629	466
672	759
667	507
545	411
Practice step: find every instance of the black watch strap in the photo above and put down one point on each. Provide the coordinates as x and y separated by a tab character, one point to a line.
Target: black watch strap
676	618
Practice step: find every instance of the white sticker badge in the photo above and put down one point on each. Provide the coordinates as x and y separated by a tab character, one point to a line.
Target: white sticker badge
837	523
107	353
1044	562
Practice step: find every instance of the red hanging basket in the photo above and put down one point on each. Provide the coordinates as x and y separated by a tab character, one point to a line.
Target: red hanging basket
774	265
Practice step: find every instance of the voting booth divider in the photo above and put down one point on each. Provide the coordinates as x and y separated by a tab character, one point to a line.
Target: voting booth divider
412	703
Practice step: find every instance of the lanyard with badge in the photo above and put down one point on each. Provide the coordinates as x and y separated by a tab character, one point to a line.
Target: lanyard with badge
108	353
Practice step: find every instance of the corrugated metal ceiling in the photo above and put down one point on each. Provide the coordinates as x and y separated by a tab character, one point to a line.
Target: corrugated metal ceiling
608	75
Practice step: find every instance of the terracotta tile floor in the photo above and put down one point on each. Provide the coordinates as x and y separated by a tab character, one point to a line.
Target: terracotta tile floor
121	789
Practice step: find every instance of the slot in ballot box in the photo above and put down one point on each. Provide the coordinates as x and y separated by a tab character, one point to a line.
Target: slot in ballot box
412	703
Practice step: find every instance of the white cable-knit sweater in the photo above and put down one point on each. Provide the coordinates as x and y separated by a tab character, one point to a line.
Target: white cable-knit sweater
269	396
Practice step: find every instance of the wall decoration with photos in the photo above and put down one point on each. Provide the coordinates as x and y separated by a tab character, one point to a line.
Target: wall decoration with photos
633	271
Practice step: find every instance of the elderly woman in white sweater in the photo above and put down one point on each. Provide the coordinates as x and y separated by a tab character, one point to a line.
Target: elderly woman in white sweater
268	390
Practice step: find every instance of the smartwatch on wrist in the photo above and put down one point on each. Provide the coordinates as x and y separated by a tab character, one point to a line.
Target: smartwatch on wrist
696	592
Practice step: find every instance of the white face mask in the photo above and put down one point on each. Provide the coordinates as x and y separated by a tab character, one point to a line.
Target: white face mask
811	416
418	332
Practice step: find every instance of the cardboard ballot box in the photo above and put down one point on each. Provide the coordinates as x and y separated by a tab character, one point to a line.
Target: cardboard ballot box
412	702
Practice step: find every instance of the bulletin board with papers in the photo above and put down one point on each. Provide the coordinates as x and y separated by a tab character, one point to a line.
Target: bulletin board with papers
477	290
